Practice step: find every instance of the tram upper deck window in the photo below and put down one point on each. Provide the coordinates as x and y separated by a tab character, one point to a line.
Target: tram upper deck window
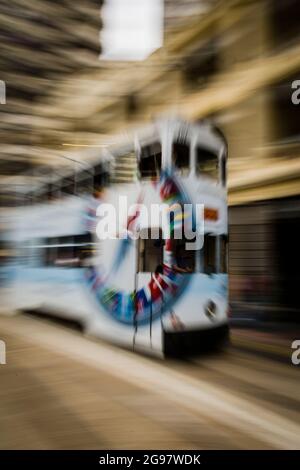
181	156
101	178
150	161
207	163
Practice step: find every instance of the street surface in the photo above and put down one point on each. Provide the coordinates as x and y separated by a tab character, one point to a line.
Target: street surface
61	390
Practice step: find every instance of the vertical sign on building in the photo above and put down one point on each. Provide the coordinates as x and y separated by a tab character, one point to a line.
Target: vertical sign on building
132	29
2	352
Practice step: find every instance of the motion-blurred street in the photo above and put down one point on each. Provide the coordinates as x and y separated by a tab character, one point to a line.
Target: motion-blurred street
61	390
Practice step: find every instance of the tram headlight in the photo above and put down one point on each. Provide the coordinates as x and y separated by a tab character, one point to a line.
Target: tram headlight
210	309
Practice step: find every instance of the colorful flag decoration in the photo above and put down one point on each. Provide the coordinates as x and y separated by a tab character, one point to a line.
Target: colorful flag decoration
159	295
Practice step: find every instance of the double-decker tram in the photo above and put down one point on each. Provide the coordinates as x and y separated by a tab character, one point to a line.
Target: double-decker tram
141	282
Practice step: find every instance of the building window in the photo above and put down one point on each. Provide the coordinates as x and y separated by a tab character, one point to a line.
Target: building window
286	114
201	65
285	20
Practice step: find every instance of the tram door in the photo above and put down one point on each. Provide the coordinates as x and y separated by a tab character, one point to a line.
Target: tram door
150	248
288	260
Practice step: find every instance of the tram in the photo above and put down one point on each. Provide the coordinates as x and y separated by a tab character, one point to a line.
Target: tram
155	292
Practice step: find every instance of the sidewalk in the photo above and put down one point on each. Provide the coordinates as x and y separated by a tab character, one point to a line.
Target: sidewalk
274	340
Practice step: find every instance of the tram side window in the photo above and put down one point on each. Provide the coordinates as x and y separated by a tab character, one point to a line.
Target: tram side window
150	161
181	156
209	248
70	251
101	178
68	186
150	252
224	170
84	182
224	254
207	163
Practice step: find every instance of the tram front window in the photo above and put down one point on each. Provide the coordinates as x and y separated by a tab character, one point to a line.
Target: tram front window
209	248
181	157
185	260
207	163
223	254
215	254
150	161
150	251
